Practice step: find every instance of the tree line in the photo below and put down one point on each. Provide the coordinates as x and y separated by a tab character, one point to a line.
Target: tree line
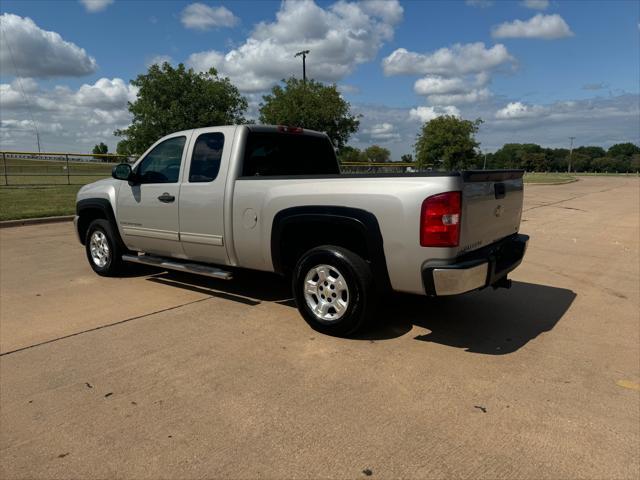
171	99
620	158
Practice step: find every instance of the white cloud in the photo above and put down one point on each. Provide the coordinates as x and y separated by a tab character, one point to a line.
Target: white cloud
460	59
159	60
595	86
27	50
199	16
94	6
453	75
78	118
339	37
27	126
389	11
471	96
479	3
434	85
105	94
598	121
382	131
536	4
515	110
547	27
425	114
347	88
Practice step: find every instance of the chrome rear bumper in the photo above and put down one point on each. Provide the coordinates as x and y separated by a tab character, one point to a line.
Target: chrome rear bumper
479	269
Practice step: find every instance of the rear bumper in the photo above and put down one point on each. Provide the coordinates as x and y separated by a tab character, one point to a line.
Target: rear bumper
475	270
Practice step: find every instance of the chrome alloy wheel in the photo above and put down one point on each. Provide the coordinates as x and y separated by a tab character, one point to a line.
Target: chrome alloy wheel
326	293
99	247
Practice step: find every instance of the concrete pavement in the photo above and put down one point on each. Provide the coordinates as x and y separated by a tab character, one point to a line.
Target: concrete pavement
162	375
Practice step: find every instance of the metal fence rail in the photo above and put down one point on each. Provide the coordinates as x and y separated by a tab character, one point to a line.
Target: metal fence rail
63	168
55	168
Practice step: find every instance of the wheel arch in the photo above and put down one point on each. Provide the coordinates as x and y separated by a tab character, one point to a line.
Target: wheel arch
295	230
91	209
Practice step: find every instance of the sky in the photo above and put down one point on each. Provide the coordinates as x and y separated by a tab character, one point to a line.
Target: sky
535	71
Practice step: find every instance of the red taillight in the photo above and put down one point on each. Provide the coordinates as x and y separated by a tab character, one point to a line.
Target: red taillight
440	220
285	129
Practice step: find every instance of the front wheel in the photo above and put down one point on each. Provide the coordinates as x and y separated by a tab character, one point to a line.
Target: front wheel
103	250
334	290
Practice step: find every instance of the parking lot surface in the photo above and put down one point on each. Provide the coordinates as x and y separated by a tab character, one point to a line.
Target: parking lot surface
163	375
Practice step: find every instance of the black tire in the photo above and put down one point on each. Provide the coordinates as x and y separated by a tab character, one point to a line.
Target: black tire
113	264
360	297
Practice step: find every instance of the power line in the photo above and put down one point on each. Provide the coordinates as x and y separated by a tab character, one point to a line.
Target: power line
19	80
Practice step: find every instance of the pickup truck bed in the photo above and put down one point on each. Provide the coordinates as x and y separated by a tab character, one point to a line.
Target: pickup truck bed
273	199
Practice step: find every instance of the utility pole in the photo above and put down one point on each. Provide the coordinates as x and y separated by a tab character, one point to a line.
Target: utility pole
484	167
570	153
37	136
304	54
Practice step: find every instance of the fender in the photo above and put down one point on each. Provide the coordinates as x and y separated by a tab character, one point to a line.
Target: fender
101	204
361	220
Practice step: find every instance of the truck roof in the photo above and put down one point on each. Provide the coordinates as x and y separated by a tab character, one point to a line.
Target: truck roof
279	128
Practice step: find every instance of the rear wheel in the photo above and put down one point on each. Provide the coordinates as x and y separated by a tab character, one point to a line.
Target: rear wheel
103	249
334	290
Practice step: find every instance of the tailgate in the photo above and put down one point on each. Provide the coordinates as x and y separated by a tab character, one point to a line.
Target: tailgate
491	206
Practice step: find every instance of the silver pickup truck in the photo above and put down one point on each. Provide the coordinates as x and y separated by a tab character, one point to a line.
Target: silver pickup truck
272	198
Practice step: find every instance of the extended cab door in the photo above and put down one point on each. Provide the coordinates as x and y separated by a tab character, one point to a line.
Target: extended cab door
148	210
202	195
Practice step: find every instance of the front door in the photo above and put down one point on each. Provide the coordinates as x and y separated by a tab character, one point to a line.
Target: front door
148	210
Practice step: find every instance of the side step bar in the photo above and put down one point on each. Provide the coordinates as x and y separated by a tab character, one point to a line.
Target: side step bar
168	264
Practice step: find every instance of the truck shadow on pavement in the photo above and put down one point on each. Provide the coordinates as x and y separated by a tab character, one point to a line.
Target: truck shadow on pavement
492	322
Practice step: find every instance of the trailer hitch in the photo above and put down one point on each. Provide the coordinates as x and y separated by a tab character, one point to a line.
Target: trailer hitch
502	283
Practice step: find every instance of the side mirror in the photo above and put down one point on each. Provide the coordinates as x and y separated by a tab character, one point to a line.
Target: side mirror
122	172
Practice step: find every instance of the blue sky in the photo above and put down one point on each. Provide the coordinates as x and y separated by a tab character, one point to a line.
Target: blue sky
535	71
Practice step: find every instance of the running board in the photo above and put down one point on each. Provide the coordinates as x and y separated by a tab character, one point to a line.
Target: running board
167	264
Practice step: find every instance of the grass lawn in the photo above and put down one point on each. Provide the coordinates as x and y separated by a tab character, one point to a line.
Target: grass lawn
548	178
32	202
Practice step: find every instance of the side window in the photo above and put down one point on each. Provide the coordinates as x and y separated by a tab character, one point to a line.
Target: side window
162	164
205	160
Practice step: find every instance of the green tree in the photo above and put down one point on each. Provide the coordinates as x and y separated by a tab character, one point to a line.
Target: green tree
407	158
172	99
100	148
591	152
124	148
350	154
448	142
311	105
581	161
625	150
376	154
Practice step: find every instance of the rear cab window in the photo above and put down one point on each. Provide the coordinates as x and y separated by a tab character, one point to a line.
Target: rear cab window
269	154
206	157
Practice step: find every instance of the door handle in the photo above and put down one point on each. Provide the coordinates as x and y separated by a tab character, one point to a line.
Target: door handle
166	198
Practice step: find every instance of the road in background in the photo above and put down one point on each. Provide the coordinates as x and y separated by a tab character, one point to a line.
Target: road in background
168	375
